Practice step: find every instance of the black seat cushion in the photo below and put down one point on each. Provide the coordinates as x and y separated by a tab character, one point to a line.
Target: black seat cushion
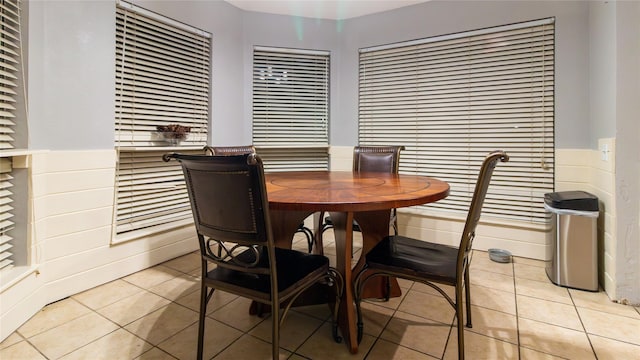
293	268
403	255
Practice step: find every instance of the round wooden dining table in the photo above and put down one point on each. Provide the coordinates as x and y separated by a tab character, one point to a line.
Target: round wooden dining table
367	198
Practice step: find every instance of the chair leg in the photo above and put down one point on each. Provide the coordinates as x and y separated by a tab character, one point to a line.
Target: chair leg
201	317
387	281
308	234
338	282
460	322
394	216
260	310
275	330
360	324
467	290
357	289
460	335
317	239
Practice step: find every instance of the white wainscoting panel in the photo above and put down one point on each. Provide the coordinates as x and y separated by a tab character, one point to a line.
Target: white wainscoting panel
72	194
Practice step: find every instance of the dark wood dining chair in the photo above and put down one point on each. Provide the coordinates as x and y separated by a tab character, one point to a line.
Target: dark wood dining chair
231	212
432	263
368	159
250	149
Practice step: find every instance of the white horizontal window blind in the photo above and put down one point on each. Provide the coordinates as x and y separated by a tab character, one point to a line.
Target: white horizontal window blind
452	99
6	214
151	192
162	78
291	108
162	105
10	68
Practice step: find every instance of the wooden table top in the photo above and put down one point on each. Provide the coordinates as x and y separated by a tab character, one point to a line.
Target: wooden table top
350	191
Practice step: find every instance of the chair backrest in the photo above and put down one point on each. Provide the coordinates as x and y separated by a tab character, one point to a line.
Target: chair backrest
475	209
229	150
377	158
230	210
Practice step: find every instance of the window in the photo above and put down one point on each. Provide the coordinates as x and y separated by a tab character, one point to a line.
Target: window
162	82
452	99
291	108
10	101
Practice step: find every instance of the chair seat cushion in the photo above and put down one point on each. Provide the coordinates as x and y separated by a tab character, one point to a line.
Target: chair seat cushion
406	256
294	269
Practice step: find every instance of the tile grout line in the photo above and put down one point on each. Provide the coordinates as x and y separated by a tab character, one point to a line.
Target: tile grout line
533	297
295	351
33	346
396	310
575	307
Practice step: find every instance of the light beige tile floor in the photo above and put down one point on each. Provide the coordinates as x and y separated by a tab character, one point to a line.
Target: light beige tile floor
517	314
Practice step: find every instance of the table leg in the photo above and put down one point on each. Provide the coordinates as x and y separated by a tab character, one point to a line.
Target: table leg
343	232
374	226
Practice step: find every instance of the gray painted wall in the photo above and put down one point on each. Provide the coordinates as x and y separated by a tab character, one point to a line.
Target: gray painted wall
71	75
602	65
71	66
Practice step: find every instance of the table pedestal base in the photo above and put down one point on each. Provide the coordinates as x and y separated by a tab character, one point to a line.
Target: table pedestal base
374	226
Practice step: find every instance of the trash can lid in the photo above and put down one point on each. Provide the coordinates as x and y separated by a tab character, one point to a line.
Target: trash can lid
574	200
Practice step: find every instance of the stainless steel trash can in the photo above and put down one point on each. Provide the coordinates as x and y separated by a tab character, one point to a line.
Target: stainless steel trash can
573	239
